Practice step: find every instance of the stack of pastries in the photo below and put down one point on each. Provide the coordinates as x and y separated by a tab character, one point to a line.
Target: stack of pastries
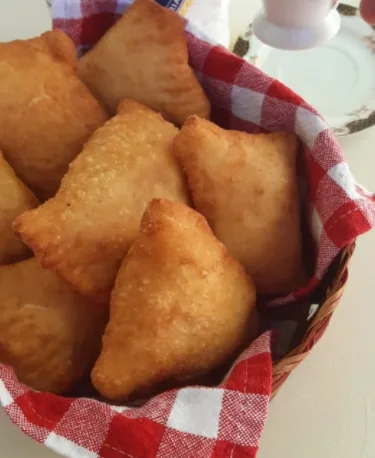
135	234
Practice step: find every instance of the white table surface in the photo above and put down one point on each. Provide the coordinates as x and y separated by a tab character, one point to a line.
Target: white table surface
327	407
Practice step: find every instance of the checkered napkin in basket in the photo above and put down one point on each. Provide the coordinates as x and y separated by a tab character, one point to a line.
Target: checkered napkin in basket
194	422
226	421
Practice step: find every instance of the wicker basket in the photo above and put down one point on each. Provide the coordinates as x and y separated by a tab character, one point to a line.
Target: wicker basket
331	291
235	412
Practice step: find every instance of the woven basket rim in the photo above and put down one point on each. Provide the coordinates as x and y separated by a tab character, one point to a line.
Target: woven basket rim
284	367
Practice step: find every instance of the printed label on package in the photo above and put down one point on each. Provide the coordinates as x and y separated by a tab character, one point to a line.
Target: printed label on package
174	5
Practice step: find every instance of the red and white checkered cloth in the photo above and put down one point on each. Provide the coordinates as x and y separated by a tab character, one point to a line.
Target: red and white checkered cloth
222	422
227	421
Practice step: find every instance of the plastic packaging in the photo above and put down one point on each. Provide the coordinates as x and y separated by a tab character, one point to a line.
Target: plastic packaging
211	16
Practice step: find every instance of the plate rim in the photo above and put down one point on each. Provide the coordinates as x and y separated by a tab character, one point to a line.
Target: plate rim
242	48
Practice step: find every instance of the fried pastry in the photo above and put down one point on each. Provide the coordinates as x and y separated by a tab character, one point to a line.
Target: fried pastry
15	198
144	56
246	187
84	232
48	333
181	306
46	112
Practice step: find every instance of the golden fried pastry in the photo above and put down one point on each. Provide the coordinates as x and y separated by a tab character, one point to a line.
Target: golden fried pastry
48	333
15	198
246	187
181	305
84	232
58	44
144	56
46	112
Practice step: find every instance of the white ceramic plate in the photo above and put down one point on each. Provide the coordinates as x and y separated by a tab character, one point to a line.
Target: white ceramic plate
337	78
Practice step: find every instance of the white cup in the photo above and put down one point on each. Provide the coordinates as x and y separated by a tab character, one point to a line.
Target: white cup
297	24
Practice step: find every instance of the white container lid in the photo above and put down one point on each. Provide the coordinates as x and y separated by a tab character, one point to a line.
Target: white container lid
296	38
